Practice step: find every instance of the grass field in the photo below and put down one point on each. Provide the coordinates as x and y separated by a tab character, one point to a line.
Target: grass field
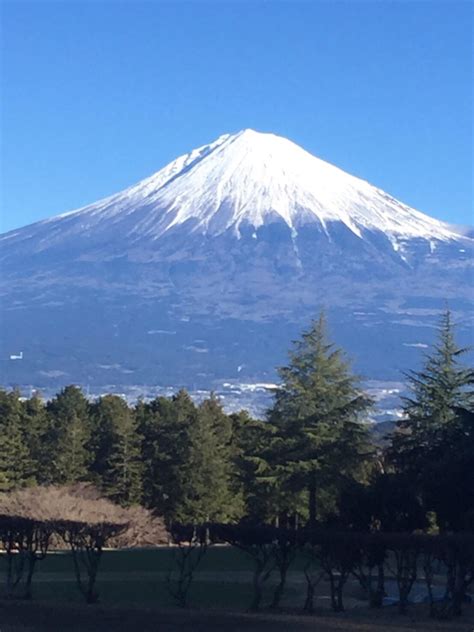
134	596
138	577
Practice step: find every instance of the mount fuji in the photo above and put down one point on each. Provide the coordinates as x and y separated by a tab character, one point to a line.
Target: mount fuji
202	274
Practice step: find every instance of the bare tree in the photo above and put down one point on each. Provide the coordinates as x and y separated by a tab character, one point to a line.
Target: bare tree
144	530
29	517
25	535
86	541
256	541
86	524
191	545
284	548
312	568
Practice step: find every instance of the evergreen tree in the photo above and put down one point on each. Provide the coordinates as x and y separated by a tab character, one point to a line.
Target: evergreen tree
165	425
148	419
442	386
115	443
35	423
448	483
209	493
319	439
68	437
433	443
254	471
16	467
187	453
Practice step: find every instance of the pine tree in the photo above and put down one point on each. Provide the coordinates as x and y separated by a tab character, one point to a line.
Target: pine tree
68	436
446	482
188	463
434	442
437	390
16	467
35	423
319	438
165	425
254	474
209	493
115	443
148	419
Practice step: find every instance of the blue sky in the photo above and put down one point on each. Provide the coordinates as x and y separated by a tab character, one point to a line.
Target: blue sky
98	95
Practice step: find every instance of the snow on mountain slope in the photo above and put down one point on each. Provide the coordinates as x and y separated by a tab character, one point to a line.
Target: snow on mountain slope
246	178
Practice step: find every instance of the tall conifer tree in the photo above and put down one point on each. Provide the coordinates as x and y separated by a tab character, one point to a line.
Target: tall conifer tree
210	494
436	391
433	444
68	436
165	425
16	467
252	472
317	414
115	443
35	423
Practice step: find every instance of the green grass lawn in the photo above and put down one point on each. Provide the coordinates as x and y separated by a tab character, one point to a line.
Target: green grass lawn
134	596
217	558
148	560
223	578
150	593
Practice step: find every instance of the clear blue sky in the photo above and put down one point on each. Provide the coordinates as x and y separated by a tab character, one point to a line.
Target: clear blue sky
98	95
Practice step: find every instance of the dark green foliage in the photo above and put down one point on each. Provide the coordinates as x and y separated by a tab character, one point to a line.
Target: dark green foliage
116	445
319	439
388	503
442	386
35	424
434	444
148	418
252	472
448	483
165	426
16	465
210	494
188	460
68	437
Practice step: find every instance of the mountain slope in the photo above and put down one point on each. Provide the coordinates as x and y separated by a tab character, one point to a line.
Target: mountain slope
235	245
246	178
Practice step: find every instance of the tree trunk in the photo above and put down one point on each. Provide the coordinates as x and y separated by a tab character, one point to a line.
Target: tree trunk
279	590
257	589
92	596
10	585
377	595
339	603
312	501
403	602
29	577
309	603
93	561
333	592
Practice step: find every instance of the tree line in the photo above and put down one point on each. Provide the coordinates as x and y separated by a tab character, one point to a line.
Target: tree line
311	460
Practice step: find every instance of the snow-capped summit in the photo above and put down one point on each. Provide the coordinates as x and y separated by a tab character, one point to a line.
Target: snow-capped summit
251	176
252	179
